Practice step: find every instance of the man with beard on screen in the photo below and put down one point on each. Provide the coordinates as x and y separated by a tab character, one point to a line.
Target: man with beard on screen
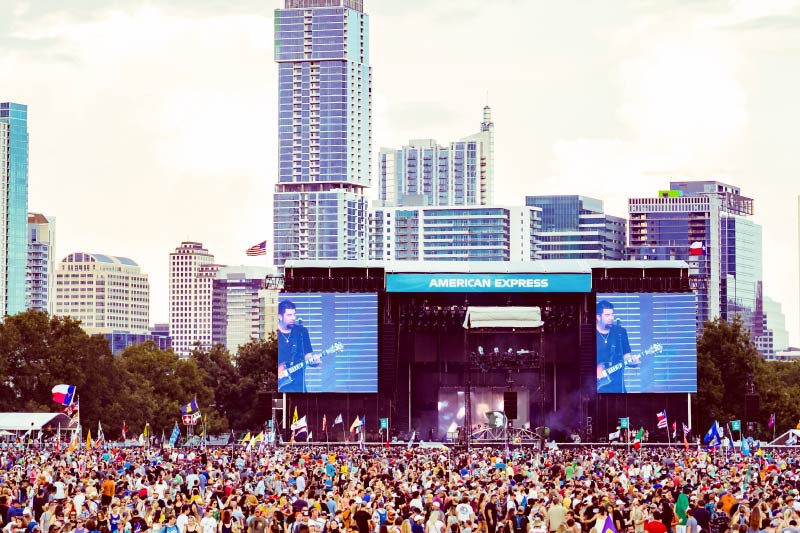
294	350
613	350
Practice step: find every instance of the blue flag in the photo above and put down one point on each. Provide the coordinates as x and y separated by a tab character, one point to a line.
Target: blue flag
712	436
745	448
190	408
176	434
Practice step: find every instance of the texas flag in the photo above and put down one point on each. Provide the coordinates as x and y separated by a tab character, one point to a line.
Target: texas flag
697	248
63	394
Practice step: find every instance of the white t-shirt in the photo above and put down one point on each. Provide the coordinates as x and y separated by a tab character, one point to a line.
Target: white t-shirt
464	512
209	524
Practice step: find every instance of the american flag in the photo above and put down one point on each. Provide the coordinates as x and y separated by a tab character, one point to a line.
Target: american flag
686	430
771	420
257	249
662	419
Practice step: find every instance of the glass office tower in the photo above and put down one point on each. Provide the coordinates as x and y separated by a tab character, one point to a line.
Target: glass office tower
324	130
576	227
13	206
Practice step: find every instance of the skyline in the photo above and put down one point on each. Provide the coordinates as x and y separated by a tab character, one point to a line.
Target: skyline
185	119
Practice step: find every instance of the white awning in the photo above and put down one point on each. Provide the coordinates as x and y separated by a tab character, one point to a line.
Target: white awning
503	317
33	421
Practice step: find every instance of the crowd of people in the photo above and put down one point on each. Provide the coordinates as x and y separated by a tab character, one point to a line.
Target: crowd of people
297	489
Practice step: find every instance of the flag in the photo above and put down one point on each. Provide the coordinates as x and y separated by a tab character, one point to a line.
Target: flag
76	415
257	249
245	439
411	440
58	439
257	438
70	409
674	428
124	431
338	420
637	440
73	444
745	447
310	436
100	436
686	430
300	425
697	248
608	527
713	435
294	416
190	408
662	419
613	436
141	439
176	434
324	423
147	433
771	420
355	425
163	436
89	440
63	394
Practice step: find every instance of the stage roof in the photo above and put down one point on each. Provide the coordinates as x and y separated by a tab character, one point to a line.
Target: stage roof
35	421
503	317
545	266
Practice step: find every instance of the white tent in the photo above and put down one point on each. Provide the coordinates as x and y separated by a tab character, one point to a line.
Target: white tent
790	438
33	421
503	317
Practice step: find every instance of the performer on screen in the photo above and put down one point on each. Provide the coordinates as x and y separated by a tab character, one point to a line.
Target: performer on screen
613	350
294	350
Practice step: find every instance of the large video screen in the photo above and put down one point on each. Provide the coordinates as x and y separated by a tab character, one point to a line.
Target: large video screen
327	342
646	343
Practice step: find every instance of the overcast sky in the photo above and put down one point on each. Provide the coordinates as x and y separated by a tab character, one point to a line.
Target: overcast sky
155	122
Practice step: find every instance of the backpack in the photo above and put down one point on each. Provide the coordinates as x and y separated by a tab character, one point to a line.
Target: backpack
382	516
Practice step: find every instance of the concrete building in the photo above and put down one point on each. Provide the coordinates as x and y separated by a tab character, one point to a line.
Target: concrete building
191	275
324	130
13	207
40	285
106	293
576	227
468	233
423	173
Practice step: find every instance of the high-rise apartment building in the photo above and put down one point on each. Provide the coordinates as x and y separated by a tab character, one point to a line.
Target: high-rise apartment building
703	223
423	173
106	293
40	286
13	206
237	308
575	227
324	130
191	275
465	233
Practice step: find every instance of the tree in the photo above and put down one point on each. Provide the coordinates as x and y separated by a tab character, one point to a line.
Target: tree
726	359
256	365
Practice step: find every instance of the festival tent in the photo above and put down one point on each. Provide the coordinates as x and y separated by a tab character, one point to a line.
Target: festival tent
21	422
791	435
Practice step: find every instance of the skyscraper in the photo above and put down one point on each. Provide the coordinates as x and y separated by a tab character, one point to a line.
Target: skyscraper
703	223
324	130
13	206
423	173
237	310
191	275
575	227
106	293
41	262
455	233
